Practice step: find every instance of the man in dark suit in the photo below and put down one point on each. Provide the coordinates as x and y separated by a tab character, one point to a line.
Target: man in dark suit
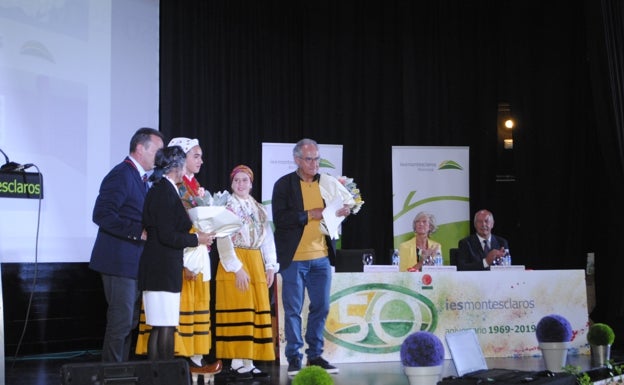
304	254
481	250
120	239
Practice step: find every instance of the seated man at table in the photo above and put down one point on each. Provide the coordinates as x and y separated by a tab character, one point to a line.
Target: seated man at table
481	250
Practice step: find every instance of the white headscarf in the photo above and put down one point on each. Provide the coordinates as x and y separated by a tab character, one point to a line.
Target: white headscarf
185	143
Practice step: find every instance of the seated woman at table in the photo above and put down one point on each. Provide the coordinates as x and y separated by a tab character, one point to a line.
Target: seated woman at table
415	251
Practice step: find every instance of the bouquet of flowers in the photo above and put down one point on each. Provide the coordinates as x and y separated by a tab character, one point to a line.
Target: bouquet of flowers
215	219
208	214
203	197
337	192
351	186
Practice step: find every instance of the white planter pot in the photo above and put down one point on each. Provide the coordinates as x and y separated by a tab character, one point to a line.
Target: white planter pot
423	375
555	355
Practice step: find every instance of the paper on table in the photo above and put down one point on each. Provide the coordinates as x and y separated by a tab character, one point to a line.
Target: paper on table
332	221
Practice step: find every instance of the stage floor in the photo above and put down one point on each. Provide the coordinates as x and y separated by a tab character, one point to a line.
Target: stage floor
45	371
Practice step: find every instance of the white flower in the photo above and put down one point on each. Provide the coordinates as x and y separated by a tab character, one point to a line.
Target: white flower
351	186
220	198
343	189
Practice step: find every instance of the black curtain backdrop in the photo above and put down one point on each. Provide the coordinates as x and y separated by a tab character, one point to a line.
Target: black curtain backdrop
375	74
606	57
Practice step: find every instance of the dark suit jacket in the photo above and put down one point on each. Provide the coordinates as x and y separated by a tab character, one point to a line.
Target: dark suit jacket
470	254
117	212
167	223
290	218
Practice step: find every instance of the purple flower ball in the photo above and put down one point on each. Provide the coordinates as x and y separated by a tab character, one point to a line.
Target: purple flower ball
422	349
553	328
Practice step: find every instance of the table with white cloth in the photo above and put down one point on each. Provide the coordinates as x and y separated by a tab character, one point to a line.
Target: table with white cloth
371	313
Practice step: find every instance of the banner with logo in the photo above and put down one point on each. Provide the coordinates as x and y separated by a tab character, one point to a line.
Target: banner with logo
277	160
436	180
21	185
372	313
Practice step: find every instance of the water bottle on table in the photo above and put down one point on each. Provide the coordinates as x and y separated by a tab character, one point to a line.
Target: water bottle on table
396	259
438	259
507	258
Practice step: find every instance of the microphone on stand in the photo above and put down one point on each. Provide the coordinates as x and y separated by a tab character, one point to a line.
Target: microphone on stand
12	166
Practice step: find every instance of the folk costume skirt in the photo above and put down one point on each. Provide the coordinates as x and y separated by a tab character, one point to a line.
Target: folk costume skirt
193	335
243	319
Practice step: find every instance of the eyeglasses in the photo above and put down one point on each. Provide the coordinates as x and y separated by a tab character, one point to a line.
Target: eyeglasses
307	159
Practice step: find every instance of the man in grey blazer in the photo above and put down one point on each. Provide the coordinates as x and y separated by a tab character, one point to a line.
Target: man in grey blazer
481	250
120	239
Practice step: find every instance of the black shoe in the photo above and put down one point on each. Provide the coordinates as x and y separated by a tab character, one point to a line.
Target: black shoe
259	374
294	366
319	361
238	375
229	374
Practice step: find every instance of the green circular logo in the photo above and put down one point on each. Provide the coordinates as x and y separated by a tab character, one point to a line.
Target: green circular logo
375	318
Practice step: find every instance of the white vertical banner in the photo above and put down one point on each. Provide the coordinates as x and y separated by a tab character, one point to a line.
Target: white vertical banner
277	160
436	180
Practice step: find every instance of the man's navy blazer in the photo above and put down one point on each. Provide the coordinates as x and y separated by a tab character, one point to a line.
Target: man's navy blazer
290	218
118	213
470	254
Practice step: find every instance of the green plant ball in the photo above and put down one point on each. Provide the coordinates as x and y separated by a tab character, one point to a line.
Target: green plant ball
600	334
312	375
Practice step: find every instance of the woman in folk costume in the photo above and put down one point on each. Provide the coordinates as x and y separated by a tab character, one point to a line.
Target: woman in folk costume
193	339
246	271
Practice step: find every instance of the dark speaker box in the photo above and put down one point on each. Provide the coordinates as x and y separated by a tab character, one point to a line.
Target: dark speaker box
174	372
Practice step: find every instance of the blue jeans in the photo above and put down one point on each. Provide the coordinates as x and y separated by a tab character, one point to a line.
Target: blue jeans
122	316
315	277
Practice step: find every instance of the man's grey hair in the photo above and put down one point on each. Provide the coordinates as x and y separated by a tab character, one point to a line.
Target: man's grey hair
303	142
